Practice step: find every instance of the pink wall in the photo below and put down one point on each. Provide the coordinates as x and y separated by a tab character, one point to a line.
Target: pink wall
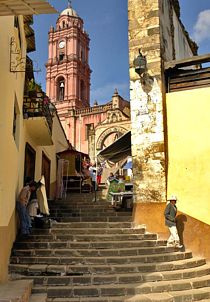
68	60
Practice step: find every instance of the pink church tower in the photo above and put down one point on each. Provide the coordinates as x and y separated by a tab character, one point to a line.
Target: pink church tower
68	71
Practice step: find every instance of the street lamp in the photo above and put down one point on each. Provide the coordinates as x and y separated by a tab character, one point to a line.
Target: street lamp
140	64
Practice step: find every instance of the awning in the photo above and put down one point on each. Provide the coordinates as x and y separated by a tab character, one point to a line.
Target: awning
25	7
117	151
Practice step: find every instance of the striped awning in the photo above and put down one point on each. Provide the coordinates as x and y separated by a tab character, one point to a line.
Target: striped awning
25	7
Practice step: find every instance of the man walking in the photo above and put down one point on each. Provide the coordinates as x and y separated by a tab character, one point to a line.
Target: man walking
170	221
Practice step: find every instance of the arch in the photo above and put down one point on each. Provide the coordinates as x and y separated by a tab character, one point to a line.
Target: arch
60	76
104	135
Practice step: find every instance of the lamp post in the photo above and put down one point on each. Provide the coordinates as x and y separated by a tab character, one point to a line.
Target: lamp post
140	64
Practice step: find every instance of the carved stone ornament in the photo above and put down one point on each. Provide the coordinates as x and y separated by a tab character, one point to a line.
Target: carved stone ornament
17	62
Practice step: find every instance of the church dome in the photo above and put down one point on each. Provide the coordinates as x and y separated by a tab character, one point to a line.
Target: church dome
69	12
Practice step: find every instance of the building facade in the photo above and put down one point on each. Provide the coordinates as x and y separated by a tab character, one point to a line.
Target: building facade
30	135
167	148
89	129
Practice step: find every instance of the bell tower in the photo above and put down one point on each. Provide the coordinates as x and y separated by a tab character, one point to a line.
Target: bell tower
68	71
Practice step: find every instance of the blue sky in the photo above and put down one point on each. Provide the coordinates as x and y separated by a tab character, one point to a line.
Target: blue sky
106	23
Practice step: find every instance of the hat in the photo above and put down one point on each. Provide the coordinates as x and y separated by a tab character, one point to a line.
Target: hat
32	183
172	197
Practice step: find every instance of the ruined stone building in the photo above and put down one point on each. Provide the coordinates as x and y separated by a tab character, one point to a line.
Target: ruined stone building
89	129
170	154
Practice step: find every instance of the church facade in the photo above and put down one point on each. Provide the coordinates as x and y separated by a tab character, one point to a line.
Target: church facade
89	129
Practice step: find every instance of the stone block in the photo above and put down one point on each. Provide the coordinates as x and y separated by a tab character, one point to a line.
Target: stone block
64	292
85	291
113	291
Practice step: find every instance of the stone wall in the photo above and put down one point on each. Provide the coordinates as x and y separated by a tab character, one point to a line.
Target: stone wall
147	108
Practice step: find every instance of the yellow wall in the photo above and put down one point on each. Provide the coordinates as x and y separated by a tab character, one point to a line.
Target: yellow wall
12	150
189	151
11	85
7	237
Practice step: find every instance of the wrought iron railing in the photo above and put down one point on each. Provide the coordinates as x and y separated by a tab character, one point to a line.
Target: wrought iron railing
37	107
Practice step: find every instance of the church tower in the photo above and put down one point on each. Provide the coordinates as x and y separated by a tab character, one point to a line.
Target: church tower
68	71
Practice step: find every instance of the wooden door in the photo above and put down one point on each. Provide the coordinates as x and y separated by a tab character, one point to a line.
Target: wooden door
46	172
30	160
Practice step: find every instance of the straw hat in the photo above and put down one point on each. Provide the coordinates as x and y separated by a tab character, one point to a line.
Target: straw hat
172	197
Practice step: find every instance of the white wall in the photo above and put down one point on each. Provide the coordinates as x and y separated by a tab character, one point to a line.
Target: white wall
182	48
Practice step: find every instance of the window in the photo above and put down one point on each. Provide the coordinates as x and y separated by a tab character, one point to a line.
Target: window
30	163
82	90
88	128
61	56
82	55
16	122
17	26
16	23
60	89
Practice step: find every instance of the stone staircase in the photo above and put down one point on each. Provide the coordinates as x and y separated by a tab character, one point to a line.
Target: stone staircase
19	291
95	254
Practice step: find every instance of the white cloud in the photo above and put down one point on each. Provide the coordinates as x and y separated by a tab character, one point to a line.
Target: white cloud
105	93
202	26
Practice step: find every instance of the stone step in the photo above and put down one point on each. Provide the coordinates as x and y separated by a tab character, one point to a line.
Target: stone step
100	279
101	209
38	298
93	206
90	225
78	269
104	218
125	289
87	245
16	291
102	260
75	213
172	296
89	238
79	199
132	251
86	202
95	254
85	231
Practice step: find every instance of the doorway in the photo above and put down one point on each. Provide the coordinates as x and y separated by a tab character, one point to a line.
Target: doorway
46	164
30	160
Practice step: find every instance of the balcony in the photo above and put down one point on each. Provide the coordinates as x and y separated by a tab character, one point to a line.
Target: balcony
38	118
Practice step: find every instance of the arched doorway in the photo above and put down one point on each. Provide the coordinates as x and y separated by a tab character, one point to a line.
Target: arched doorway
109	136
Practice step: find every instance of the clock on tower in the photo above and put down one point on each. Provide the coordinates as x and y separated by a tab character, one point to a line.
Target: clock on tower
61	44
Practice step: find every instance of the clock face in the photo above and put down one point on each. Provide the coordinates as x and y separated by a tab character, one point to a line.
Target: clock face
61	44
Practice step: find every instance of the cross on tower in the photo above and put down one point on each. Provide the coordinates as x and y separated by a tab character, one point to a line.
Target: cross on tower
69	3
